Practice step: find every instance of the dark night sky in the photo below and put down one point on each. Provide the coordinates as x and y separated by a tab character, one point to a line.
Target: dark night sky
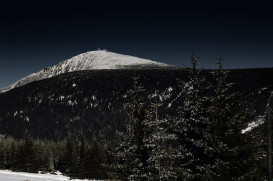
34	35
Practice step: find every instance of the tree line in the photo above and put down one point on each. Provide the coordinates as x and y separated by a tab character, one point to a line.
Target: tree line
75	156
202	140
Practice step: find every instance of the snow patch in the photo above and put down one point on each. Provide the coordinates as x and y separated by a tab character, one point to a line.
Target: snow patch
17	176
254	124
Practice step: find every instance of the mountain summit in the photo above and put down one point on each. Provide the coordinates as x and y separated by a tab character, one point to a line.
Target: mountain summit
93	60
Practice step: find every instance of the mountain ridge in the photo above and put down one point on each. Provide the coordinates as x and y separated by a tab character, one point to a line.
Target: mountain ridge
92	60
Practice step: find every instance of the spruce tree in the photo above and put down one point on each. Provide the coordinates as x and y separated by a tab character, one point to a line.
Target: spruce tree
49	161
124	155
39	155
95	162
2	155
133	149
24	158
12	152
48	156
158	141
71	157
230	149
8	150
190	126
82	156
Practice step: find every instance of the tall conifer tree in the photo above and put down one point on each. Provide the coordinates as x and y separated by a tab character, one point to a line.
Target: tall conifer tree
95	162
161	162
133	150
71	157
190	126
231	150
25	161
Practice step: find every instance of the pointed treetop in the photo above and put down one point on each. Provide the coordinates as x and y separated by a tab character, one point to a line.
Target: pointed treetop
194	59
220	61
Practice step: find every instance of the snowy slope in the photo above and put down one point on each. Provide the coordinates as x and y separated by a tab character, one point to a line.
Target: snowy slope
7	175
101	59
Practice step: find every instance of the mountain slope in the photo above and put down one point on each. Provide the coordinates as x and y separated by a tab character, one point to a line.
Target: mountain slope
94	60
90	101
93	101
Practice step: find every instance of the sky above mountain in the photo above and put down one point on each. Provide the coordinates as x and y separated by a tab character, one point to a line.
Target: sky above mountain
35	34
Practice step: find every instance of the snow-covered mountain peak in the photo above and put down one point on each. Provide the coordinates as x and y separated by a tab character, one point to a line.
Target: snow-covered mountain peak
103	59
100	59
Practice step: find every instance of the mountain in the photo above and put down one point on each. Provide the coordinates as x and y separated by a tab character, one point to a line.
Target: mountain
89	93
93	60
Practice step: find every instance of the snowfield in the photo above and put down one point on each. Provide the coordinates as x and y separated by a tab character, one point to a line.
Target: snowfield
7	175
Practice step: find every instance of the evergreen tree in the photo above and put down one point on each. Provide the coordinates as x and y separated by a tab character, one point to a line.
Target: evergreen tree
111	160
161	157
259	144
12	152
2	155
124	153
82	156
95	162
191	124
48	156
7	152
25	161
71	157
39	155
59	153
230	149
133	150
49	161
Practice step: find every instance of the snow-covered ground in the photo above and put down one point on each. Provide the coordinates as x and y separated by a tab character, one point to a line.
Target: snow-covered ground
7	175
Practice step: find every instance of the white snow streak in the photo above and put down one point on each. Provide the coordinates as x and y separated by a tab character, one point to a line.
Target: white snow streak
254	124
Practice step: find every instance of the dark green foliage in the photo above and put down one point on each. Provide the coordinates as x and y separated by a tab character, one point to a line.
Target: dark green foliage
162	154
132	149
190	125
95	161
71	157
76	159
25	160
12	153
231	150
2	156
59	116
83	147
99	106
39	154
